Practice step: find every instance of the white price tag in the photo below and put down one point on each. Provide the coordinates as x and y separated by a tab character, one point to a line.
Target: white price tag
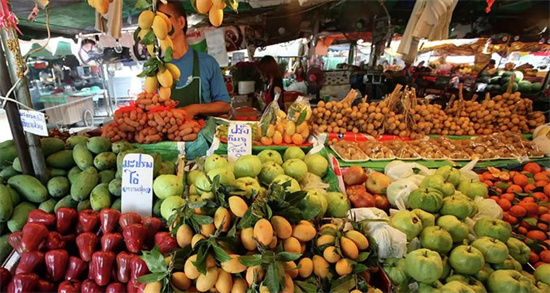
239	140
34	122
137	184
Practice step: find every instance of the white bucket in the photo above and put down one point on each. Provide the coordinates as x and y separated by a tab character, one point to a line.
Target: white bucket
246	87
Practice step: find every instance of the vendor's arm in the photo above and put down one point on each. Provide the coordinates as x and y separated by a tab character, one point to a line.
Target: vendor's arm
209	109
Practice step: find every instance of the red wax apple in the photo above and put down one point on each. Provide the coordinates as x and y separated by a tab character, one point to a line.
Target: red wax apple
69	287
151	225
134	235
116	288
5	278
66	220
23	283
30	262
15	241
90	286
86	243
138	268
88	220
41	217
129	219
56	264
55	241
108	219
46	286
111	242
33	236
75	269
101	266
355	175
123	265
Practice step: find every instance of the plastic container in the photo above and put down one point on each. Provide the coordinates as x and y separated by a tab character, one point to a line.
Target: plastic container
246	87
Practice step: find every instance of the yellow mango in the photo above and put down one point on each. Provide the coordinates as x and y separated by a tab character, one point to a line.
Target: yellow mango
359	239
207	282
159	28
250	274
184	235
233	266
164	44
165	78
343	267
325	239
164	95
291	269
264	289
247	238
174	70
215	16
166	20
287	138
302	127
270	131
222	219
304	232
239	285
266	140
151	50
203	6
328	227
292	244
196	239
277	137
238	206
145	19
273	243
320	266
297	139
151	84
207	230
263	232
306	267
218	4
224	282
154	287
210	261
282	227
290	128
331	255
349	249
289	284
305	133
180	281
189	268
143	32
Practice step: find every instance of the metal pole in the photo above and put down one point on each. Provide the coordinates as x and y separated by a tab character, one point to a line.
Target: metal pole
16	69
14	119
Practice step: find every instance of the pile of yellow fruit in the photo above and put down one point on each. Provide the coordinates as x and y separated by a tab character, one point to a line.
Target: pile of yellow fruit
214	9
278	128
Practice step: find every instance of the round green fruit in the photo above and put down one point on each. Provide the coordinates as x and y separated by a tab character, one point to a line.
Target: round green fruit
317	198
424	265
226	176
406	222
213	162
192	176
436	238
167	185
466	260
337	204
493	228
542	273
281	179
427	199
493	250
296	169
270	170
509	281
518	250
456	206
249	185
294	153
457	287
316	164
270	156
454	226
170	205
247	166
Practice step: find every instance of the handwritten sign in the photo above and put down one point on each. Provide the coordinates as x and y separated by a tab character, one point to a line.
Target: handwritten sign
239	141
215	40
137	184
34	122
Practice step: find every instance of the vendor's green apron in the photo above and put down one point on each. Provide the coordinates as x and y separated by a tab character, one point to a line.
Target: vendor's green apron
191	92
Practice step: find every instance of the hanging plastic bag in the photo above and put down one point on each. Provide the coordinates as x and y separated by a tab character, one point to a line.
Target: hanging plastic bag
487	208
272	120
298	113
467	171
398	192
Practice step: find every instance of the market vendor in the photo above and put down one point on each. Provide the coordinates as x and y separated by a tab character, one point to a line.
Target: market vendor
201	89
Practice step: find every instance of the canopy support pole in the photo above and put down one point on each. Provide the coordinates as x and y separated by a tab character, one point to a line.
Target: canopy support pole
16	69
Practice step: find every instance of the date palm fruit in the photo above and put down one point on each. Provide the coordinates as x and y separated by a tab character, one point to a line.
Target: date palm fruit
174	70
165	78
145	19
151	84
216	17
203	6
159	28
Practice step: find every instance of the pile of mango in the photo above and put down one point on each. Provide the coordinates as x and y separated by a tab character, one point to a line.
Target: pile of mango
85	173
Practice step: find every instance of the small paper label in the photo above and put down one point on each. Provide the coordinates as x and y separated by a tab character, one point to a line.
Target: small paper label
34	122
137	184
239	141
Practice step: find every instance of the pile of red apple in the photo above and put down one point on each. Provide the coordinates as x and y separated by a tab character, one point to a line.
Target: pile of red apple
366	190
84	252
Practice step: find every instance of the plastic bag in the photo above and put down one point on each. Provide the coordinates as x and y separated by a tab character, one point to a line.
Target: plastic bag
312	181
272	119
398	192
391	242
467	172
299	113
487	208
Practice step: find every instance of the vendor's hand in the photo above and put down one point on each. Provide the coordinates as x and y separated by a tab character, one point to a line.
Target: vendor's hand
191	111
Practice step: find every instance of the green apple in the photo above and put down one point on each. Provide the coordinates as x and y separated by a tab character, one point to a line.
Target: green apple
518	250
450	174
337	204
542	274
192	176
424	265
247	166
456	206
509	264
316	164
426	218
454	226
427	199
294	153
226	176
509	281
395	269
281	179
213	162
493	250
316	197
466	259
296	169
406	222
270	170
270	156
248	185
494	228
457	287
473	188
484	273
436	238
432	181
170	205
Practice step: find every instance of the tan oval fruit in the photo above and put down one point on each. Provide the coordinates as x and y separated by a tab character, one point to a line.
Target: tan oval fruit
273	243
263	232
282	227
207	230
304	222
216	17
239	285
250	274
154	287
343	267
359	239
238	206
247	239
233	266
165	93
348	247
325	239
151	84
180	281
222	219
224	282
165	78
291	269
196	239
356	291
184	235
207	282
332	226
159	27
145	19
166	20
320	266
203	6
289	284
302	247
189	268
174	70
292	244
331	255
304	232
306	267
151	49
164	44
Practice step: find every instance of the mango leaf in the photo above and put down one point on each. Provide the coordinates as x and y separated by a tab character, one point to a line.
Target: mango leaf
308	211
221	255
363	256
359	267
194	5
271	280
287	256
200	263
155	260
251	260
248	220
301	118
295	198
197	204
531	221
268	257
168	55
343	285
154	277
306	286
136	34
149	38
142	4
202	219
232	4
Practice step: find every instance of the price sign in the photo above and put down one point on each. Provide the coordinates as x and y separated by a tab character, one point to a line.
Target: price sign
137	184
34	122
239	141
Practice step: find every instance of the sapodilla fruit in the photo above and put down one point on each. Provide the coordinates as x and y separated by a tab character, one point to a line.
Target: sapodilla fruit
238	206
145	19
151	84
233	266
165	78
263	232
159	27
203	6
184	235
174	70
216	17
282	227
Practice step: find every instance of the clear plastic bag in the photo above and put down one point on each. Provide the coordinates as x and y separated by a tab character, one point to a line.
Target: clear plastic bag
271	118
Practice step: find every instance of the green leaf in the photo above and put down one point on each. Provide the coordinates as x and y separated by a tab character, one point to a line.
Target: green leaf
142	4
168	55
154	277
531	221
343	285
251	260
232	4
308	211
271	280
296	197
233	231
359	267
197	204
301	118
269	212
202	219
306	286
194	5
200	263
155	260
363	256
248	220
221	255
149	38
136	34
288	256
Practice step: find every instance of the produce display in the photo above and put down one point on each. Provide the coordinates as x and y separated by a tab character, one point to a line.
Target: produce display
85	173
504	145
498	82
402	114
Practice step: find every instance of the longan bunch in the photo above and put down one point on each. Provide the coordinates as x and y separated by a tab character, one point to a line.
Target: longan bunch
428	119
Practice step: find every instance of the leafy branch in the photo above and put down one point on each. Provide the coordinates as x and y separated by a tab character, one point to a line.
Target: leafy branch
273	264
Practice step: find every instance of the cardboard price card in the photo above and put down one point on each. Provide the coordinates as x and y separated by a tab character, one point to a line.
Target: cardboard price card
239	141
137	184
